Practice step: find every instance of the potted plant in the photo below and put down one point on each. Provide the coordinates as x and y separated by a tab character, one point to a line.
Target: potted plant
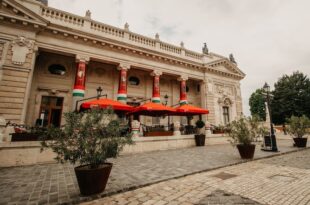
200	137
89	139
220	129
242	132
299	127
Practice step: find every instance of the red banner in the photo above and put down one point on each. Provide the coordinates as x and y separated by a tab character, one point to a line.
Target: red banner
80	76
183	90
156	91
122	86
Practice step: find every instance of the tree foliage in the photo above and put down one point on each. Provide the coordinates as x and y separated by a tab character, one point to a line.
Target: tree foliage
88	138
257	104
291	97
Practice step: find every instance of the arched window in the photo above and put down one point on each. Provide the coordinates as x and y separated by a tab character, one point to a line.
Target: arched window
57	69
134	80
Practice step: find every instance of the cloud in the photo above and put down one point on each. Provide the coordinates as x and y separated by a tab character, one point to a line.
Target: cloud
268	38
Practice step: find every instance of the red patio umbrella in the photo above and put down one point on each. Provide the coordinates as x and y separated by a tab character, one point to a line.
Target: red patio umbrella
190	110
153	109
105	103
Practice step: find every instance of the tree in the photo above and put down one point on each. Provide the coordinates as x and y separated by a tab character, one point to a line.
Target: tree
291	96
257	104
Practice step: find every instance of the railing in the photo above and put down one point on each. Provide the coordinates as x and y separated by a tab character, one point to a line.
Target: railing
170	48
107	29
192	54
58	16
141	39
61	16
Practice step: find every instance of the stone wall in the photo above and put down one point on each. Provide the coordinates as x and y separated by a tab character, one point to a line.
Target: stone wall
17	57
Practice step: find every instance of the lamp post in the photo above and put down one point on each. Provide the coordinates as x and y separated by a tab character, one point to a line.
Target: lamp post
99	91
274	147
166	97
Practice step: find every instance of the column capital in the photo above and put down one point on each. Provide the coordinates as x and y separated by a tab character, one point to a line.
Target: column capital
82	58
203	81
156	73
183	77
123	66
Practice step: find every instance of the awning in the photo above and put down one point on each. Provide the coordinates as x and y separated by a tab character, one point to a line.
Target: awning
187	109
105	103
153	109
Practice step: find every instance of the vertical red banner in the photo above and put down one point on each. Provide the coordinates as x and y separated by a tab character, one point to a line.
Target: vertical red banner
156	89
122	86
79	85
183	96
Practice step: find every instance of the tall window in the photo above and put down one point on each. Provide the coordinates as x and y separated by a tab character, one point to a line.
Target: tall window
226	115
50	111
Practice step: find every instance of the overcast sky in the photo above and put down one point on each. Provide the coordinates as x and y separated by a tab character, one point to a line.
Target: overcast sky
268	38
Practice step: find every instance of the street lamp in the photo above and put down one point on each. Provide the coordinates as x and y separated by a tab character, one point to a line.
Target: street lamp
99	91
166	97
274	147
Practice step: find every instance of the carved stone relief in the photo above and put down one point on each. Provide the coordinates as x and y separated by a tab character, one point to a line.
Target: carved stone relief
219	89
228	91
20	48
225	101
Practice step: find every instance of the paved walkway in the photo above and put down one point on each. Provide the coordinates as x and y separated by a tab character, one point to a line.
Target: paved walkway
56	183
281	180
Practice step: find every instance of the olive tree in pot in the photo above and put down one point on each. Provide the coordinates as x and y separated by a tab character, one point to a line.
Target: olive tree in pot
88	139
299	127
242	132
200	137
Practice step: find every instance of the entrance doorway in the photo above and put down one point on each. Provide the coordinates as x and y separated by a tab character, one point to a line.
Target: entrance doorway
50	111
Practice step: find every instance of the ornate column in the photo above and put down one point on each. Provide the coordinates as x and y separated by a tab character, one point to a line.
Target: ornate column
80	78
183	95
156	90
122	84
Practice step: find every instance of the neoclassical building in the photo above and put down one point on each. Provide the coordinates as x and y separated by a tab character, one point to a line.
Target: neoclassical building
50	58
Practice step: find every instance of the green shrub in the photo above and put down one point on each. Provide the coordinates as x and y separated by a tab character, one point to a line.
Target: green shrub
298	126
88	138
243	131
200	124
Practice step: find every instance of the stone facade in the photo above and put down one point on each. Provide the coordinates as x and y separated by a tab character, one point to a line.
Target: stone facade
34	36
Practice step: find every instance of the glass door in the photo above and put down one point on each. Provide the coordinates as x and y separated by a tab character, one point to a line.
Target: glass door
50	111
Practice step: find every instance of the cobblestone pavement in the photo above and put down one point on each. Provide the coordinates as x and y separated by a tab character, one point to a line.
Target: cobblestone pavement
255	182
221	197
56	183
